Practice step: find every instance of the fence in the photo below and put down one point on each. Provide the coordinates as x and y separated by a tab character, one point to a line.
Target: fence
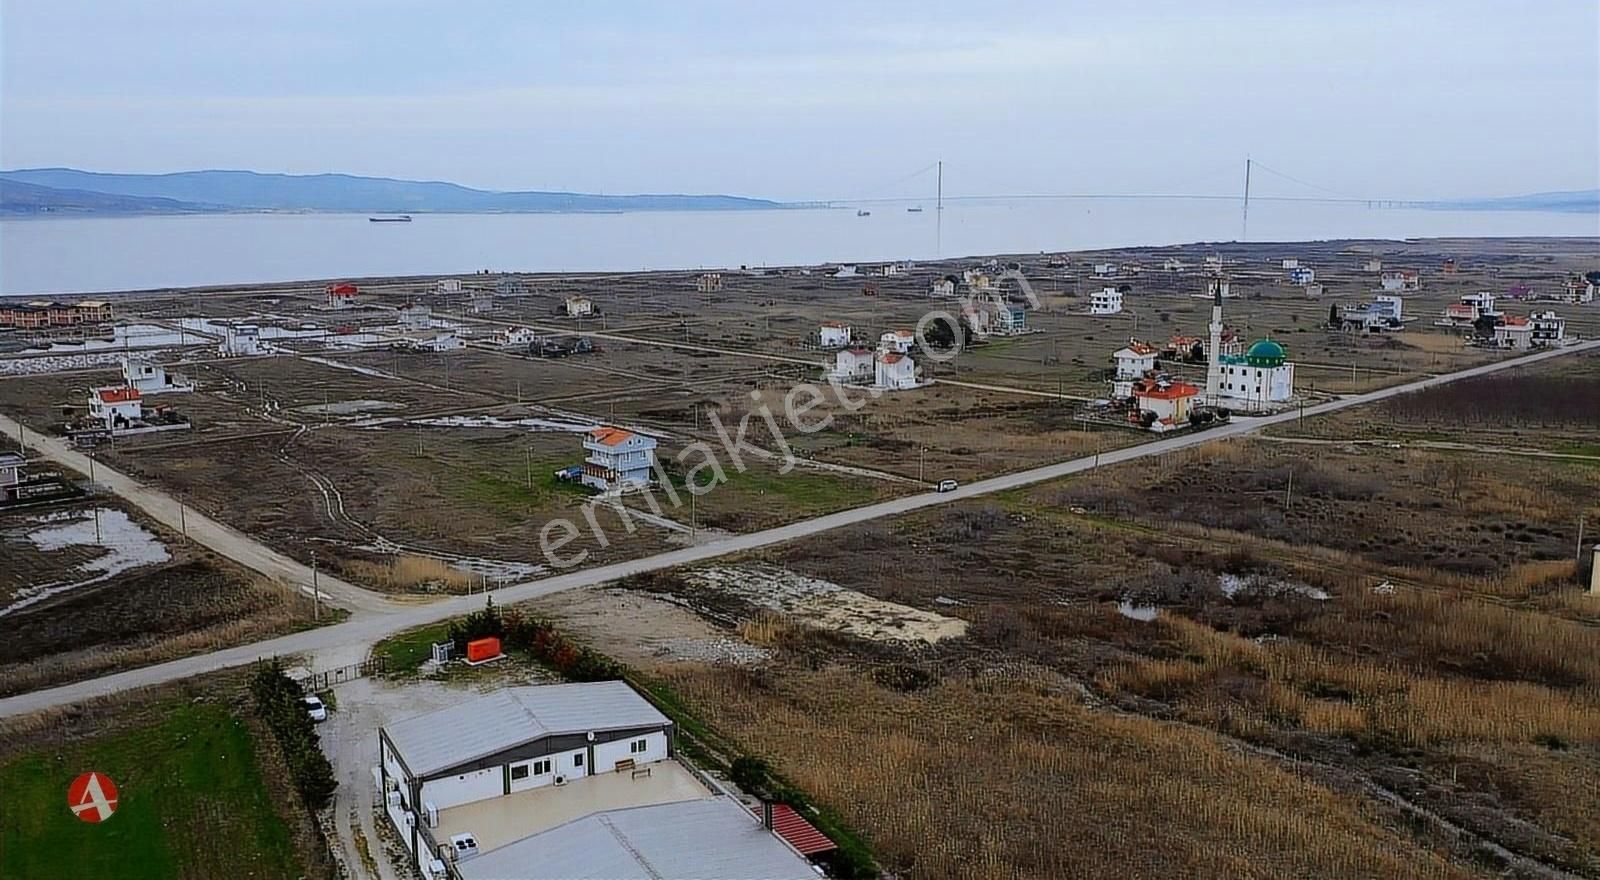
319	681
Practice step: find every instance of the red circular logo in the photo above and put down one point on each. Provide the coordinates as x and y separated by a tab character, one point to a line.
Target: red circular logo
92	797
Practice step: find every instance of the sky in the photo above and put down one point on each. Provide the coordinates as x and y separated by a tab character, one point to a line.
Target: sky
820	100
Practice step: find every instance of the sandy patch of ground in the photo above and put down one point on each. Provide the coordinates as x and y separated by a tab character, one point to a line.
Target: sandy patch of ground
827	605
638	628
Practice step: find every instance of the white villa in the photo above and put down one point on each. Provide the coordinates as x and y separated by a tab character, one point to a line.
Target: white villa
854	365
1537	330
116	407
240	340
1107	302
617	460
1400	279
833	334
896	372
942	287
149	376
1105	270
898	341
432	341
1471	307
1577	290
415	316
710	282
579	307
517	337
448	285
1133	362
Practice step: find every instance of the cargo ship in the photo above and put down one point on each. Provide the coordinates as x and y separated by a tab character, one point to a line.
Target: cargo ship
398	218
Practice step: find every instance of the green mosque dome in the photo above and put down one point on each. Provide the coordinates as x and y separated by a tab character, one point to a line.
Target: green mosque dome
1265	353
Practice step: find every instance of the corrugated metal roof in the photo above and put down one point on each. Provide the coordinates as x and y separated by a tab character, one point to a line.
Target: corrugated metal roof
707	839
511	717
801	834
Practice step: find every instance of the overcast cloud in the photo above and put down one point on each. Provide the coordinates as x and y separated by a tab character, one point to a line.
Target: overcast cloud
818	100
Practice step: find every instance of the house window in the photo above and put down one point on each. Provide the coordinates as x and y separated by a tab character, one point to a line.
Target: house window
577	759
541	768
638	747
519	771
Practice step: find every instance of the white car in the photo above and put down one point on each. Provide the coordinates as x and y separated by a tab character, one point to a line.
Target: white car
948	485
316	710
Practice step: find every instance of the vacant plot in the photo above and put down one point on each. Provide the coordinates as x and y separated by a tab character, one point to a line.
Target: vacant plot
1553	406
1425	691
195	604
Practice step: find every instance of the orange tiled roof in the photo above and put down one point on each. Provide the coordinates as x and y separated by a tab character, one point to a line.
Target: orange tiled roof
118	395
611	436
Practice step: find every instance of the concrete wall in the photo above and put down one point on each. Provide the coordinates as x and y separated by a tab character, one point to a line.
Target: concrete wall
606	755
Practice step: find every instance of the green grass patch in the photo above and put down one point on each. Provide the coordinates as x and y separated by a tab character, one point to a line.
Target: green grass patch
403	654
191	804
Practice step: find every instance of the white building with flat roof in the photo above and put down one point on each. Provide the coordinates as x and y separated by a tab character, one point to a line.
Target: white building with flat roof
1106	302
579	307
11	466
240	340
150	376
449	285
833	334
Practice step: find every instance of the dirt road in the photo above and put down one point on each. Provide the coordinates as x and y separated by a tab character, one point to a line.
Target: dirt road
364	629
201	529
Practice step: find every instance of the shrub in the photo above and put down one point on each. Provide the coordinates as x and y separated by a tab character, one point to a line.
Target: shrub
280	703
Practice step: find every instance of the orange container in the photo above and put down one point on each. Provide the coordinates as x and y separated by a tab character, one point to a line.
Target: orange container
480	650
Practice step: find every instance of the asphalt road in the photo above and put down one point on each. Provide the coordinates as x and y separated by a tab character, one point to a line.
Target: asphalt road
364	629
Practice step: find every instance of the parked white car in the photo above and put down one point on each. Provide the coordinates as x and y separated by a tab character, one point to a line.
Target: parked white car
316	710
948	485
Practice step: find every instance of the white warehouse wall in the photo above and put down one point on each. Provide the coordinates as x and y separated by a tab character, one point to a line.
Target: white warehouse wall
606	755
464	788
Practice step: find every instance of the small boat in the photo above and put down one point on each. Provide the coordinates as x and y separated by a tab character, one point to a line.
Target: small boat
398	218
914	209
863	213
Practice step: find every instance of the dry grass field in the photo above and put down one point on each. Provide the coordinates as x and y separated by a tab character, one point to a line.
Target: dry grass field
1391	674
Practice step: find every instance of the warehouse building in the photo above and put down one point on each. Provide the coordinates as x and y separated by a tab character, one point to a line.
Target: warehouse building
566	780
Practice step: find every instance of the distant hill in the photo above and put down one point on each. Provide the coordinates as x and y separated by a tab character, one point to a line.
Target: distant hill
252	191
26	199
1581	201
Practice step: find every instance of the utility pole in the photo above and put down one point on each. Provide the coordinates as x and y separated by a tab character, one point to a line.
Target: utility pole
921	450
528	451
1244	230
316	598
1580	538
97	538
1288	496
183	519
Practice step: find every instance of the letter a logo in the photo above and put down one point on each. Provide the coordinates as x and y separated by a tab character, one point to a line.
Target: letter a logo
92	797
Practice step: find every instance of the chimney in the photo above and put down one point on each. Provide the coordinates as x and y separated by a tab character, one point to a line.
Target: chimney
766	814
